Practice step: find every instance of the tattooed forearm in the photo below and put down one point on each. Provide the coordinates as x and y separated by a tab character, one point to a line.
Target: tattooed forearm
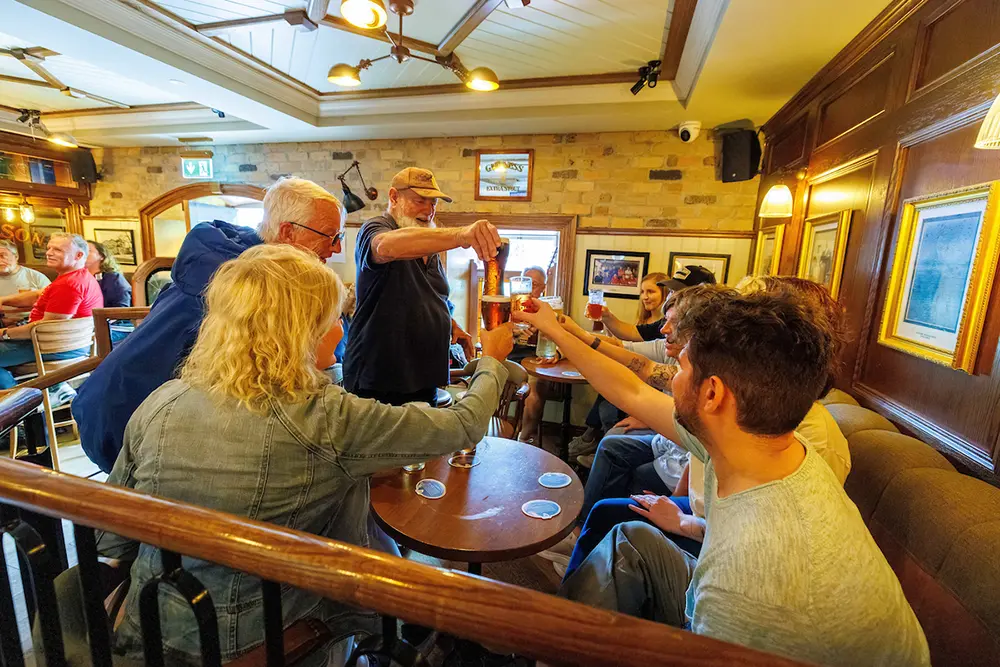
636	364
661	376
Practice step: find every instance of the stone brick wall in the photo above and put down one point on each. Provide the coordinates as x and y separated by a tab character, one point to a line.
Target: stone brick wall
616	179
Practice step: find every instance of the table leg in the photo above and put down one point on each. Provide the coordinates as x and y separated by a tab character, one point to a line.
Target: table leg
567	405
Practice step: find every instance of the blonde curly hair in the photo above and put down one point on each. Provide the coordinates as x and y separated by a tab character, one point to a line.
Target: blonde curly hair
266	312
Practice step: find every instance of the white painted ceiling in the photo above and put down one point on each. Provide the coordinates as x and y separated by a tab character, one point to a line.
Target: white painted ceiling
743	59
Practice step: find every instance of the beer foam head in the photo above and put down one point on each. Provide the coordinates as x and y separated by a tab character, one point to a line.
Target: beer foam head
496	298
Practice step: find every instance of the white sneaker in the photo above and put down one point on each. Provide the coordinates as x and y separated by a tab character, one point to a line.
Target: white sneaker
563	547
61	394
586	461
560	568
579	446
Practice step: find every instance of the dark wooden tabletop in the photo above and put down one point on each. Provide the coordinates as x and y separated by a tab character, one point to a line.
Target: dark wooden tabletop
554	372
479	519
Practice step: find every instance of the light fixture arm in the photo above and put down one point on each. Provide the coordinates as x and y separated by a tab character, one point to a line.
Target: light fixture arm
371	193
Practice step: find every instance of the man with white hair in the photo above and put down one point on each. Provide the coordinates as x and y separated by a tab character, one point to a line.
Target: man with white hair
74	293
296	211
398	349
16	279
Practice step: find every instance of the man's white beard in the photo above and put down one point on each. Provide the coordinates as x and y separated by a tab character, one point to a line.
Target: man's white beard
405	221
6	270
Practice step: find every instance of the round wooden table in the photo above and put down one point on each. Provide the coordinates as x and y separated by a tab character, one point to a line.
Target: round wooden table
479	519
564	375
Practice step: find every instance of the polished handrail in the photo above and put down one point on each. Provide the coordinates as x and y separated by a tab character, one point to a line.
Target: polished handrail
498	615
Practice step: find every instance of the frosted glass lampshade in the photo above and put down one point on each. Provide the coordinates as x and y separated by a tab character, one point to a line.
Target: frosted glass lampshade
777	203
989	133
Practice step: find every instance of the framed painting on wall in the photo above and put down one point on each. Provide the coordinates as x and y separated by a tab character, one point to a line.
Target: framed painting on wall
768	254
942	273
824	246
35	252
717	264
617	273
120	243
504	175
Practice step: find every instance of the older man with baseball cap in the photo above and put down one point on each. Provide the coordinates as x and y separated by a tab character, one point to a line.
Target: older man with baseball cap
687	276
398	348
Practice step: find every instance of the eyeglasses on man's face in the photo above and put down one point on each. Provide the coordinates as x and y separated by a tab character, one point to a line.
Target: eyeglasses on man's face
334	238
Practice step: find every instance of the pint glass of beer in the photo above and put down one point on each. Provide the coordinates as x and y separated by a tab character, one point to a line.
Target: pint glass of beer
595	308
496	310
495	267
520	292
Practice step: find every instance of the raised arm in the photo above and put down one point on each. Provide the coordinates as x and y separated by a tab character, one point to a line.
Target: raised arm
609	378
654	374
414	242
618	328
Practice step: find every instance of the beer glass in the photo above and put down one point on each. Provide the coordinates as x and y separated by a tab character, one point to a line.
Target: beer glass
520	292
495	268
546	347
595	307
495	310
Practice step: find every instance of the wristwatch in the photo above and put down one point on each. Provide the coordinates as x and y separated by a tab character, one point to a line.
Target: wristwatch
5	335
594	344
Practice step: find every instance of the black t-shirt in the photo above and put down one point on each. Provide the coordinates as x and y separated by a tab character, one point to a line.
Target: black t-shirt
651	331
402	326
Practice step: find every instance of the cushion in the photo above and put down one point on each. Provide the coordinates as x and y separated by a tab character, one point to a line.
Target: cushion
853	418
877	457
837	396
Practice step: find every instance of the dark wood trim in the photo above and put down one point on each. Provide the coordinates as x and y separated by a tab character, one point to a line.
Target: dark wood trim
505	84
182	194
817	147
876	31
16	404
478	13
543	627
531	172
142	274
418	45
677	34
642	231
214	28
52	378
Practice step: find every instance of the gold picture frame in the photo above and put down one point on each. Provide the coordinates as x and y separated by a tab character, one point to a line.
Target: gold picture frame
769	241
942	273
824	247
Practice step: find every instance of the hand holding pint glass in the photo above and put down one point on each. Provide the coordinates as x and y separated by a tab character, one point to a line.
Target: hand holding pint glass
520	292
495	310
595	308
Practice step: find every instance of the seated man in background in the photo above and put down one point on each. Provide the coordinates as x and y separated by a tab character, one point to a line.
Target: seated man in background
73	294
19	285
296	212
525	341
788	565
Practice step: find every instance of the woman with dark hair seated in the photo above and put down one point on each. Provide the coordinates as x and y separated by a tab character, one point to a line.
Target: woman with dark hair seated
103	266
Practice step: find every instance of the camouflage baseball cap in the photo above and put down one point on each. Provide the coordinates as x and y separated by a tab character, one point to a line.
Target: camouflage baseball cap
421	181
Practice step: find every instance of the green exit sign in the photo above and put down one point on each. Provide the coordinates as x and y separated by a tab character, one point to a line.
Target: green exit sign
196	167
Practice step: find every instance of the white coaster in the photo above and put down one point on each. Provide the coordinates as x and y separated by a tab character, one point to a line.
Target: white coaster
555	480
431	489
541	509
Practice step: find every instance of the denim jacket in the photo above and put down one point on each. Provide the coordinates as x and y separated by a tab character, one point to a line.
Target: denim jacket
304	466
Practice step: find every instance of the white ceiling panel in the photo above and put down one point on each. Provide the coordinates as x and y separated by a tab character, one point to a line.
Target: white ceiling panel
431	20
20	96
210	11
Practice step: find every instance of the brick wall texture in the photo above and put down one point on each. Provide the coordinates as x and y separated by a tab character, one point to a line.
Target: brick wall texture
617	179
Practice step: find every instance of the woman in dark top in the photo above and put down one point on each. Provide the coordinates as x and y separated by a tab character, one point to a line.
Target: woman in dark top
116	290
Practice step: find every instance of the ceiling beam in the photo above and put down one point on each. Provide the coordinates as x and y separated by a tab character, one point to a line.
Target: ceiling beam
32	63
338	23
316	10
292	17
27	82
677	34
478	13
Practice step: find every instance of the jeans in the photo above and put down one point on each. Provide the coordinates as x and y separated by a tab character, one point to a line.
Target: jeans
622	466
610	512
17	352
603	415
635	570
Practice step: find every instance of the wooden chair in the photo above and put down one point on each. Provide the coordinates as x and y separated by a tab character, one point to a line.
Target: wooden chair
150	269
515	391
103	317
51	337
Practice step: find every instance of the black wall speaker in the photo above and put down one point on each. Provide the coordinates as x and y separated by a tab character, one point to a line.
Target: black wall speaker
740	156
84	169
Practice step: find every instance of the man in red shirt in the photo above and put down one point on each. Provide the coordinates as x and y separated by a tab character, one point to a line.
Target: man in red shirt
74	293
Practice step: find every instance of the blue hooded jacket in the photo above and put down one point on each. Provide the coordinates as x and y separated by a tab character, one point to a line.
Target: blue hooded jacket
150	355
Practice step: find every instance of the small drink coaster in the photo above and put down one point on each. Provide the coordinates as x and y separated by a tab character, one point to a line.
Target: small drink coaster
555	480
463	461
572	374
431	489
541	509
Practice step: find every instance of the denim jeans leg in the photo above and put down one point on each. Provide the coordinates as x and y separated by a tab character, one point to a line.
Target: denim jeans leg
617	456
645	478
635	570
13	353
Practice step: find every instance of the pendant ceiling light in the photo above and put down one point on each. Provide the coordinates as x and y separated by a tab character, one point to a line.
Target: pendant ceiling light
342	74
60	139
367	14
989	133
27	212
777	202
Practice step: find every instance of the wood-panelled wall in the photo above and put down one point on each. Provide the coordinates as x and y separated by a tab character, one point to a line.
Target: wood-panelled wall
895	115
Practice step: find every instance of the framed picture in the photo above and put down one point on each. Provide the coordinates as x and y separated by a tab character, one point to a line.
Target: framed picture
824	245
942	272
35	252
617	273
120	243
768	254
717	264
504	175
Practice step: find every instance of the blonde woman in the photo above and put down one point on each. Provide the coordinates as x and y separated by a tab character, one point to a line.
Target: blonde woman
253	428
651	297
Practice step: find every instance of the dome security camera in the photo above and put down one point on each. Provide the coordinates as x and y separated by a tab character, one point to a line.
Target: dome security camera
689	130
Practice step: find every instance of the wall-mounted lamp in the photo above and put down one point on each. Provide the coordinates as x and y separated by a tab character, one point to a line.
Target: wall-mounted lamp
9	215
777	202
27	211
352	202
989	132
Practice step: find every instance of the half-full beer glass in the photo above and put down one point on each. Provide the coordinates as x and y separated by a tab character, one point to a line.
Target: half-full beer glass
495	310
